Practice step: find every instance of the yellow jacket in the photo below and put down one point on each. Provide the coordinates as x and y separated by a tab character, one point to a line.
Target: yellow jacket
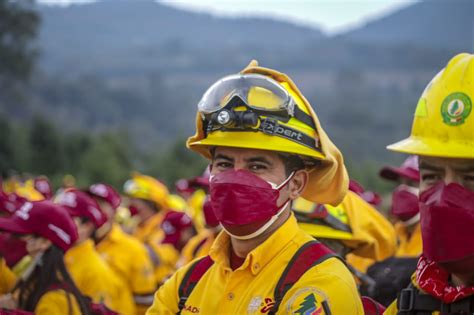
198	246
150	230
96	279
56	303
408	246
249	289
7	278
163	256
129	259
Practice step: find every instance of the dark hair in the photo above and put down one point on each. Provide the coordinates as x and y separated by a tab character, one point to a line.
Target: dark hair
51	273
292	162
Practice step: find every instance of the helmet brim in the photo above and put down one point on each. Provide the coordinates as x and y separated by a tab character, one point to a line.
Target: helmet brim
322	231
448	148
253	140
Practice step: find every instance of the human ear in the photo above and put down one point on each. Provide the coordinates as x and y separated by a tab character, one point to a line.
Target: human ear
298	184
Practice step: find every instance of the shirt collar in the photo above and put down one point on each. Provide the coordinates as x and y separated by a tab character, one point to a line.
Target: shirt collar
260	256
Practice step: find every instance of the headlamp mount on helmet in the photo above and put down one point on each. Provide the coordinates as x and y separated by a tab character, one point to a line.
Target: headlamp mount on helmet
231	117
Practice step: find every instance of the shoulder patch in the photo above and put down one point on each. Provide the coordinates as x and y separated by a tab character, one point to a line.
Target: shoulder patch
307	301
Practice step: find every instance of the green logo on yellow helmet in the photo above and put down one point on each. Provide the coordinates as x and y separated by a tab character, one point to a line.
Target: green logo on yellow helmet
456	108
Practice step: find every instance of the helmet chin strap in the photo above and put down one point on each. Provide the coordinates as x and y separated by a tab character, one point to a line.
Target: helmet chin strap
262	229
413	220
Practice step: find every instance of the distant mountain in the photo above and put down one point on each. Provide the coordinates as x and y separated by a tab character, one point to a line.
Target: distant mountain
142	66
447	24
114	34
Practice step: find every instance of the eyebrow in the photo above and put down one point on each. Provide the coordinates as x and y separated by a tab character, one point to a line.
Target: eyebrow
466	169
223	157
426	166
260	159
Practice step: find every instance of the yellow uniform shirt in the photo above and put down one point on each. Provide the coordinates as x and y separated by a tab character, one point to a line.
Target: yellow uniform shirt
96	279
150	229
249	289
409	245
56	303
163	256
198	246
129	259
7	278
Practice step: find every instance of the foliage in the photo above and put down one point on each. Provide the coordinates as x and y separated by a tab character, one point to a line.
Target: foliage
176	162
40	147
18	27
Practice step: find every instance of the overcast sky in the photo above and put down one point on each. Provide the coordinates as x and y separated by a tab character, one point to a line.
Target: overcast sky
332	16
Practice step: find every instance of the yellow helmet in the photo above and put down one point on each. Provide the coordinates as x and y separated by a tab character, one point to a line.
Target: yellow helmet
28	192
177	203
354	222
286	123
444	122
147	188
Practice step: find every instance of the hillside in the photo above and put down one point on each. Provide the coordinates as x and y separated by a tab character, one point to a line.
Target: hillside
141	67
428	23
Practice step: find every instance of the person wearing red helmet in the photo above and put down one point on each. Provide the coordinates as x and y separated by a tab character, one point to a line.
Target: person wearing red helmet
178	228
47	287
200	244
124	253
93	276
405	206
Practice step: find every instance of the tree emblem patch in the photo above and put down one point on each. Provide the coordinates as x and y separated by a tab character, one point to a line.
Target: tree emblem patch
309	306
308	301
456	108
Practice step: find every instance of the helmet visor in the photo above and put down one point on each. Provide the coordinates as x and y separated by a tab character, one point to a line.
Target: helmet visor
257	91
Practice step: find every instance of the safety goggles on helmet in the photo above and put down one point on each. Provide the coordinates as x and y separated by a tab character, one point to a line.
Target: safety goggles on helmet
261	94
253	102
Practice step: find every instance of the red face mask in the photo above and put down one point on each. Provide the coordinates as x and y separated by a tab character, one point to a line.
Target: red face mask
245	204
405	203
209	215
447	220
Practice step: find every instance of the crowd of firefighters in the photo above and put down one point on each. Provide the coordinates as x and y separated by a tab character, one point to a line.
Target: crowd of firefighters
240	238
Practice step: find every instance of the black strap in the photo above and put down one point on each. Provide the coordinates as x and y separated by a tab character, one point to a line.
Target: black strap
153	256
272	127
282	288
303	117
413	302
191	278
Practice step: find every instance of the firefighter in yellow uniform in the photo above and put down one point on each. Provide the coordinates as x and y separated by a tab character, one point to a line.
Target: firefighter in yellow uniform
46	287
88	269
353	227
124	253
200	244
405	207
266	148
149	197
443	138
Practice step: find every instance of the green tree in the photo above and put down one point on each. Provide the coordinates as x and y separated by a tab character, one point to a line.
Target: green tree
18	28
6	147
45	144
176	162
106	160
308	305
